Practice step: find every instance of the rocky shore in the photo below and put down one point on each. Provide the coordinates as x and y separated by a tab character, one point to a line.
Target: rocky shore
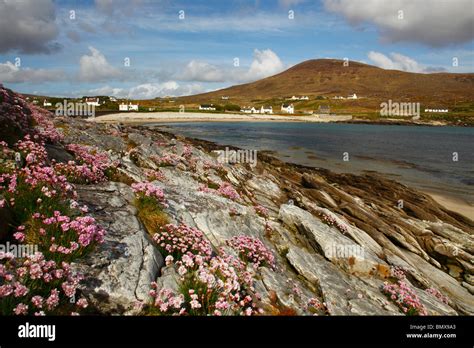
335	237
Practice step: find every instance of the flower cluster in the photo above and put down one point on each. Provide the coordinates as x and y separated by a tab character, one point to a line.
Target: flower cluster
211	287
153	175
90	165
252	250
404	297
168	160
332	221
177	240
34	153
314	306
44	125
436	293
187	151
35	286
15	116
398	272
261	211
147	190
226	190
64	238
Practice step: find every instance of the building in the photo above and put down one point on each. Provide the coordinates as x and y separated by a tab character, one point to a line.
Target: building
266	110
436	110
208	107
46	103
354	96
93	101
324	110
225	97
112	99
288	108
128	107
304	97
338	97
249	110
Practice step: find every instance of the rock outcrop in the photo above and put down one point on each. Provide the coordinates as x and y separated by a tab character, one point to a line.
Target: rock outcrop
335	237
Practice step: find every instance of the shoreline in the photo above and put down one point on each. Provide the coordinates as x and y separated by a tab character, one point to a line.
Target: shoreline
137	118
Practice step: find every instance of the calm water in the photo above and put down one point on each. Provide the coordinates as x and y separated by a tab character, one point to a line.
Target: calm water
417	156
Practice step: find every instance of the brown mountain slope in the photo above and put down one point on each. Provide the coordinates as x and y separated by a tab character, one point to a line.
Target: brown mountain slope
330	77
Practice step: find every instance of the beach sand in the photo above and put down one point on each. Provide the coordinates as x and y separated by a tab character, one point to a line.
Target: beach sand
165	117
453	204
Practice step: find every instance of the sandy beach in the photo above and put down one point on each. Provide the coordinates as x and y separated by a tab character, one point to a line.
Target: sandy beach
171	117
453	204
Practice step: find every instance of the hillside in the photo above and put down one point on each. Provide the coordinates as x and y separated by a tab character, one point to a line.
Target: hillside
328	77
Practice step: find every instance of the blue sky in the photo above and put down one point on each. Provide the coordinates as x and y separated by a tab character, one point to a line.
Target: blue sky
47	49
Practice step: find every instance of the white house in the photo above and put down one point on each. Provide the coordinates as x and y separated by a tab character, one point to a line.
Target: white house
354	96
225	97
338	97
304	97
266	110
249	110
47	103
288	108
128	107
93	101
209	107
112	99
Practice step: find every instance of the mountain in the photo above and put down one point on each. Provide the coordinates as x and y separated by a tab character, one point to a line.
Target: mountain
329	77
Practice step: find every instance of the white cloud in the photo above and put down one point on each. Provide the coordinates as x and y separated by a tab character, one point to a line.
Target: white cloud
436	23
169	88
398	61
96	68
265	63
148	90
10	73
28	26
202	71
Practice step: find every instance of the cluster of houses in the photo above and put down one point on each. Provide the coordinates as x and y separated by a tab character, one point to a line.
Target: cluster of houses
436	110
207	107
303	97
128	107
253	110
352	96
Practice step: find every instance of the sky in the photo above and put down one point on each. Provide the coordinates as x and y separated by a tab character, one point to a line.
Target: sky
143	49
